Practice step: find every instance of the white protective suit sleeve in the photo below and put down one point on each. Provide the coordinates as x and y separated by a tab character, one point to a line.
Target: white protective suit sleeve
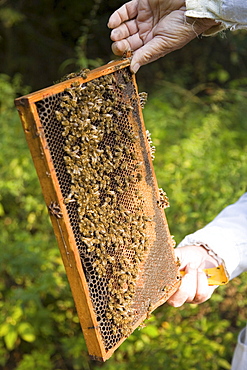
226	236
239	360
229	13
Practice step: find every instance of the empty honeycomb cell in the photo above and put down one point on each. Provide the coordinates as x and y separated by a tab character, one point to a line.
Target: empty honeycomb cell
95	141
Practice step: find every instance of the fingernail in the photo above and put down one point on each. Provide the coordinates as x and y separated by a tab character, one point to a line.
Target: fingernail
135	67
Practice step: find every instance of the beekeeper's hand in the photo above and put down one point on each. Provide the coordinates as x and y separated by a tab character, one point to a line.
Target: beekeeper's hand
194	285
152	29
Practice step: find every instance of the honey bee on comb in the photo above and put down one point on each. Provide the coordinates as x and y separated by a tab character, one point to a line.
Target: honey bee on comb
108	216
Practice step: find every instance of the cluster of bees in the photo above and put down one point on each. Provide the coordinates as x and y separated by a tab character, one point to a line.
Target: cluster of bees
152	147
163	201
106	174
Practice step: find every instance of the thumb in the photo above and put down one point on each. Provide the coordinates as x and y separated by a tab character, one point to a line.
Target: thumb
184	258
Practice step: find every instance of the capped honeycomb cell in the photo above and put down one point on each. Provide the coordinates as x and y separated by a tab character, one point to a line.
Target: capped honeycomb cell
94	157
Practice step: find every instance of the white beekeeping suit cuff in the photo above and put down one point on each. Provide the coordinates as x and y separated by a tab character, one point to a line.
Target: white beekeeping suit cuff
226	236
227	13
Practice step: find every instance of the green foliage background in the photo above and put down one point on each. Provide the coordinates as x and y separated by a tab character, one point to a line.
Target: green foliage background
196	113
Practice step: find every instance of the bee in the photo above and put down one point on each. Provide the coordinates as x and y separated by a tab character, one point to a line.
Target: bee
84	73
143	99
114	330
75	84
69	200
133	156
178	262
59	115
129	107
163	202
108	315
65	98
71	92
173	241
73	103
121	86
55	210
139	177
142	326
68	76
149	136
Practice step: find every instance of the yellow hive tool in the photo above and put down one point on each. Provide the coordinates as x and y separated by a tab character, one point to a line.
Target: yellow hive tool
216	275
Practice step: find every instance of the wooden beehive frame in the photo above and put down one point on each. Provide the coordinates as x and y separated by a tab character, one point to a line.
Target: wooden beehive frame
54	199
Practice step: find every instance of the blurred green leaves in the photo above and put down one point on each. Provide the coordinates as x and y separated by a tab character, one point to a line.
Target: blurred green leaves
32	278
200	139
9	17
201	156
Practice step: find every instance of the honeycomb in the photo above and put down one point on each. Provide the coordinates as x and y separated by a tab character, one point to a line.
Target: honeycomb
101	156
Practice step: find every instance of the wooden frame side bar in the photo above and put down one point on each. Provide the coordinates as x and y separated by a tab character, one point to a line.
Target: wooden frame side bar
65	238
